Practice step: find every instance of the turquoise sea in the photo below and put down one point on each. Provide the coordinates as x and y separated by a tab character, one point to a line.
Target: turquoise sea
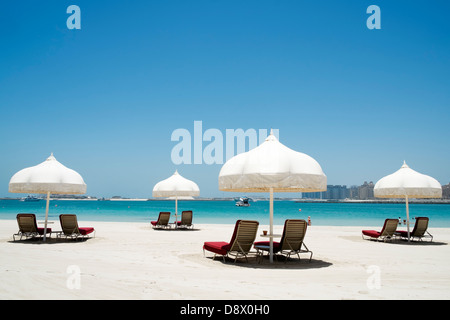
325	214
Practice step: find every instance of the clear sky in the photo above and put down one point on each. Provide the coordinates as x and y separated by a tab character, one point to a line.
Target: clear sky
105	99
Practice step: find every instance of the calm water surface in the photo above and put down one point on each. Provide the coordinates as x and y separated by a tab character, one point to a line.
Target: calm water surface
326	214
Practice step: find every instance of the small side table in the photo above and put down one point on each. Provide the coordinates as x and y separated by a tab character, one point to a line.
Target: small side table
264	247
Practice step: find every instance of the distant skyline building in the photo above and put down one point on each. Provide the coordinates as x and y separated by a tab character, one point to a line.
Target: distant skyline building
333	192
354	192
366	191
336	192
312	195
446	191
340	192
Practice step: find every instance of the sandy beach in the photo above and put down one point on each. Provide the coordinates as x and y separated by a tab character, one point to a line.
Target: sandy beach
133	261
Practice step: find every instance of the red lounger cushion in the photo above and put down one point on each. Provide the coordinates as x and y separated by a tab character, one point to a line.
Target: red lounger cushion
85	231
404	233
371	233
41	230
219	247
153	222
276	245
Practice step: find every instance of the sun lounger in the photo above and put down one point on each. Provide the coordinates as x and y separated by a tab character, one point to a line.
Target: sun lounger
162	222
291	240
240	244
186	220
419	231
70	228
28	226
387	233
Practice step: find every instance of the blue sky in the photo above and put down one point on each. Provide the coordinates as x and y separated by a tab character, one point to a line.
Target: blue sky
105	99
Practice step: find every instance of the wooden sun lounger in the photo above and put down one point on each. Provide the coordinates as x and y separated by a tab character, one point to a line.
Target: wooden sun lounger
28	227
419	232
70	228
186	220
387	233
291	240
162	222
240	244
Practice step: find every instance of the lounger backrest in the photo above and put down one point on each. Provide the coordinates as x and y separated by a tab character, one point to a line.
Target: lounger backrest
244	235
420	227
186	218
390	226
293	234
69	224
163	218
27	222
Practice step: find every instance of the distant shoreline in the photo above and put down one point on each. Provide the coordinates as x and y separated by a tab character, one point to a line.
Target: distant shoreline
415	201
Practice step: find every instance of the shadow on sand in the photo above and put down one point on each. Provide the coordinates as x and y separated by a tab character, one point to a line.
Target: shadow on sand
397	241
176	229
279	263
417	243
48	241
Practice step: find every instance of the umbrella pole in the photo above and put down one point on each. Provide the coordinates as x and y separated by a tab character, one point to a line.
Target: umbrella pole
271	225
46	215
176	211
407	218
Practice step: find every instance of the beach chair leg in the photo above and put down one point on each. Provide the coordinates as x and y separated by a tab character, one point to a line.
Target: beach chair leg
287	257
260	255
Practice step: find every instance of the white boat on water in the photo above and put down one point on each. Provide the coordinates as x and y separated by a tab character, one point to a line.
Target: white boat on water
242	202
31	198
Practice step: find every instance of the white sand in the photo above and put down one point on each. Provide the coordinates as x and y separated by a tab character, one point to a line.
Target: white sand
133	261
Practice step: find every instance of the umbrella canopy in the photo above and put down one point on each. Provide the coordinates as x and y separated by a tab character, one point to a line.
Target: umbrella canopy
272	167
48	177
176	186
407	183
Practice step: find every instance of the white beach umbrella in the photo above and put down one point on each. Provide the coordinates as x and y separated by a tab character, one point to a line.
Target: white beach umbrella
407	183
178	187
49	177
272	167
